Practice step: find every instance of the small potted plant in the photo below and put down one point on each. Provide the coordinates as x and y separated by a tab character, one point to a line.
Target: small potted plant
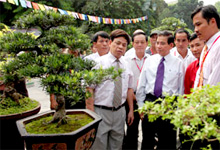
64	75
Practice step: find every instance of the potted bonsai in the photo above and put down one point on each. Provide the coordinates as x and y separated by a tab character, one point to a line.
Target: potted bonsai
14	101
64	75
192	114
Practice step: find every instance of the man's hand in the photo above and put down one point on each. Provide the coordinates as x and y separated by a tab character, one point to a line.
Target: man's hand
130	117
90	100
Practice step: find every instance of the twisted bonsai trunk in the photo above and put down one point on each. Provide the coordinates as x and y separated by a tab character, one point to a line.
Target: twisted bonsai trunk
60	113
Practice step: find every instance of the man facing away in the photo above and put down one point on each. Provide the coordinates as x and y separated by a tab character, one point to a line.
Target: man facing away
181	40
162	72
108	98
136	62
101	44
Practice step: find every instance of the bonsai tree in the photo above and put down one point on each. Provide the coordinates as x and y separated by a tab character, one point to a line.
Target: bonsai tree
65	75
192	114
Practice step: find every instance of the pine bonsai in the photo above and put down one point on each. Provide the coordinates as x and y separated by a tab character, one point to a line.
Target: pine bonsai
65	75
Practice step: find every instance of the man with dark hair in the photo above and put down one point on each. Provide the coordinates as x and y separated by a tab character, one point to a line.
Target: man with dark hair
100	42
161	73
207	23
131	51
153	40
196	46
136	62
181	40
108	98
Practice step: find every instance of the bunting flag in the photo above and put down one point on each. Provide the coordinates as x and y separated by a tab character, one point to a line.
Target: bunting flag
96	19
23	3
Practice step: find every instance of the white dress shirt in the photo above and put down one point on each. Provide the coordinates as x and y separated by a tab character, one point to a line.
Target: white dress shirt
93	56
104	92
211	66
173	77
131	52
136	66
187	60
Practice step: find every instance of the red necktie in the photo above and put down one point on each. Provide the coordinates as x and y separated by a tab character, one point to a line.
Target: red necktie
200	84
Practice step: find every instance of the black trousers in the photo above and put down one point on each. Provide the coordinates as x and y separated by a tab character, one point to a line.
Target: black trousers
131	138
164	130
199	143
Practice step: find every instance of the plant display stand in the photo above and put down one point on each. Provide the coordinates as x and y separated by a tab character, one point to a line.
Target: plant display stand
81	139
9	135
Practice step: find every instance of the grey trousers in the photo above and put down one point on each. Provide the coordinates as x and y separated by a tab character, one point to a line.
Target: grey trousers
110	131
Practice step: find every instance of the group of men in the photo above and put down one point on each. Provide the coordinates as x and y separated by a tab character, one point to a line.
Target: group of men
166	66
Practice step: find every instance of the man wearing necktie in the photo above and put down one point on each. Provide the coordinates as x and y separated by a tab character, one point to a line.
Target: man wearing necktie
206	21
161	73
108	98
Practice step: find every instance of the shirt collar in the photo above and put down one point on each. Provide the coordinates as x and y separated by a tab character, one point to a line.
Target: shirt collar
135	56
178	54
112	58
212	39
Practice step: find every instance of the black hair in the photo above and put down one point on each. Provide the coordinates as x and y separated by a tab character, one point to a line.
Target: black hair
182	31
208	12
168	34
139	33
193	37
120	33
103	34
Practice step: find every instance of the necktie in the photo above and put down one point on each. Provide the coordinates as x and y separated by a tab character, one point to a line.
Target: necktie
200	84
118	89
159	79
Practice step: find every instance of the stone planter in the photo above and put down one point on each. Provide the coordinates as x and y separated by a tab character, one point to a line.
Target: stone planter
10	137
81	139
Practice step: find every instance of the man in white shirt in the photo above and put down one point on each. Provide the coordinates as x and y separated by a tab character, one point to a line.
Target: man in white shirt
136	62
110	131
206	21
131	51
207	24
148	87
181	40
101	44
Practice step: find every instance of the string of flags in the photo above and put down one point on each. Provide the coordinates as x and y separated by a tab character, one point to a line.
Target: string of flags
96	19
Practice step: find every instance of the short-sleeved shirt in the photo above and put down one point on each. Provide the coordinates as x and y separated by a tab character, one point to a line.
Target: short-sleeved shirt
136	66
104	92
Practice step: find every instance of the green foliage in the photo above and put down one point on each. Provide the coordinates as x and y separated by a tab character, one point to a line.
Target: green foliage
217	5
8	106
41	56
44	20
172	24
40	126
191	113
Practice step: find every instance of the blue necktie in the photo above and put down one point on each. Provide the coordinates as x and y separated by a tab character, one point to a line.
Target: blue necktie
159	79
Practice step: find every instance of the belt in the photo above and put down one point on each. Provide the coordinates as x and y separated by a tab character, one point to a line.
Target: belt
109	108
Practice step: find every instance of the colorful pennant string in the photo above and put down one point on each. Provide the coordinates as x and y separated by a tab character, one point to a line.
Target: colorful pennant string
96	19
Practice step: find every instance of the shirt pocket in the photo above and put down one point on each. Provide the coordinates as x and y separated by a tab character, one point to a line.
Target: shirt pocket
172	77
